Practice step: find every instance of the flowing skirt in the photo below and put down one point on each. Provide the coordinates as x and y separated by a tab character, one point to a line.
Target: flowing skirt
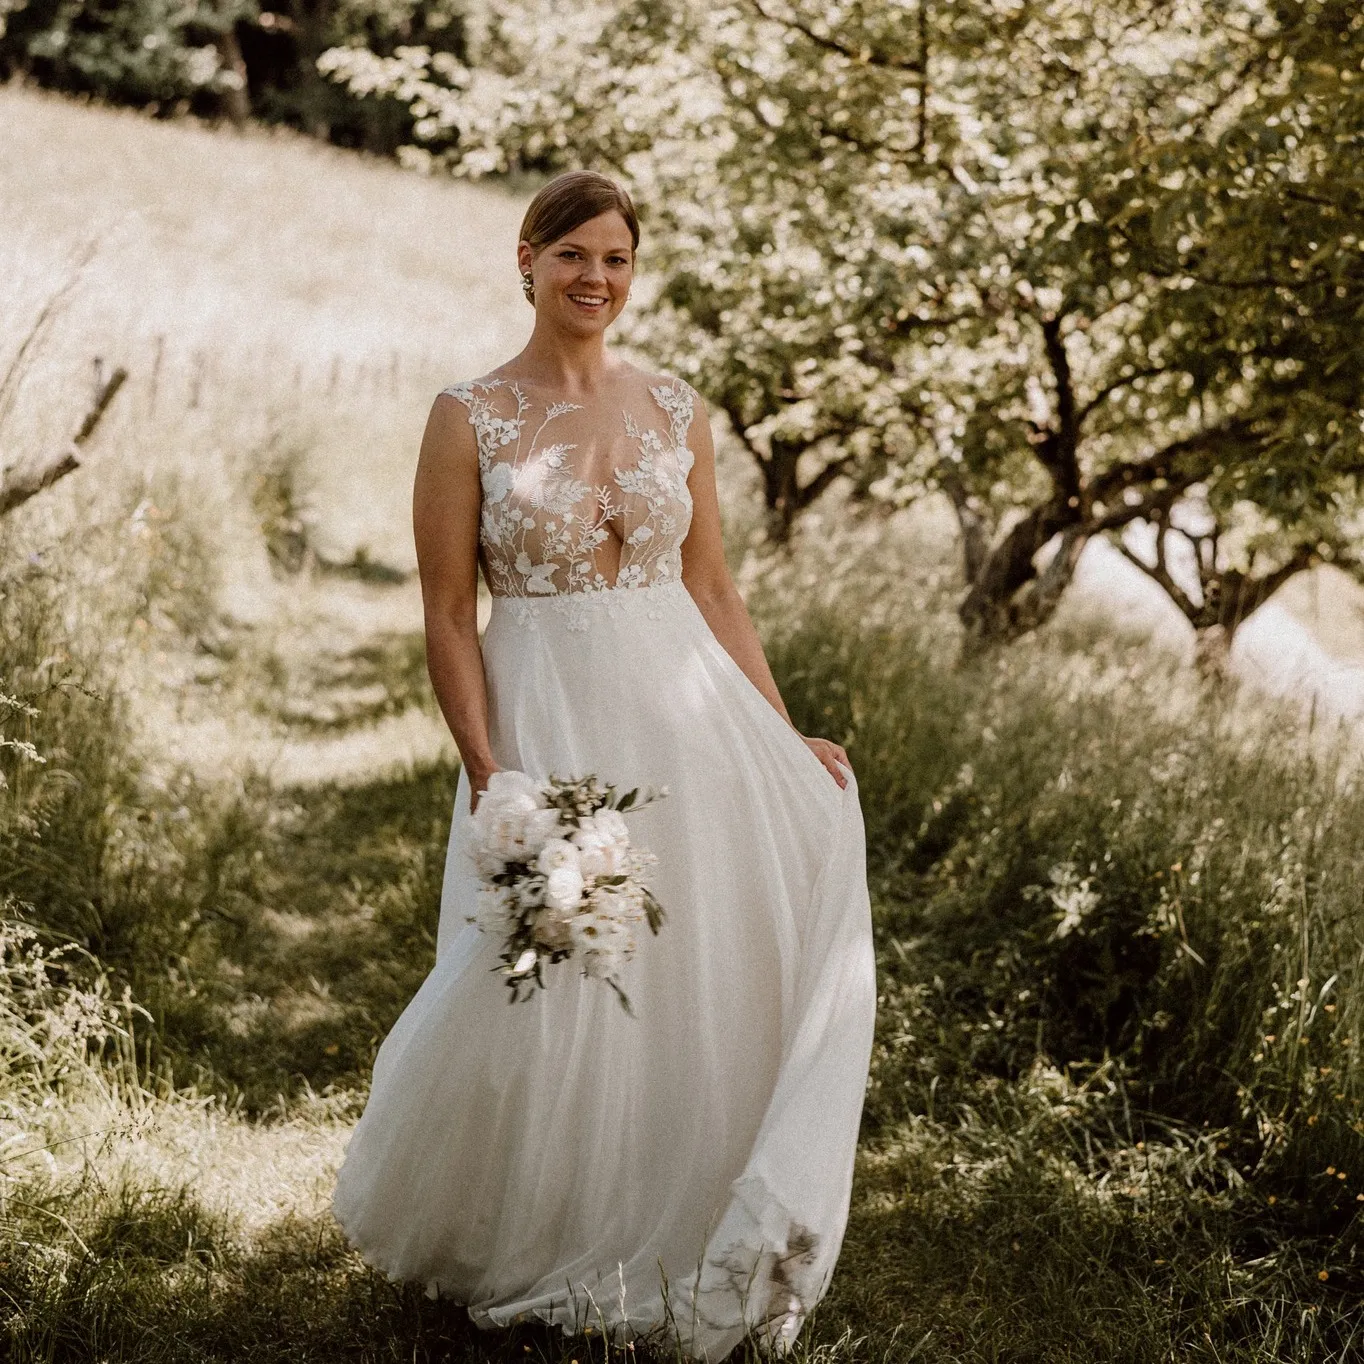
687	1169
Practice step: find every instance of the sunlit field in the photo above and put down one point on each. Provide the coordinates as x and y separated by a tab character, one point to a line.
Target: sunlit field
1115	1109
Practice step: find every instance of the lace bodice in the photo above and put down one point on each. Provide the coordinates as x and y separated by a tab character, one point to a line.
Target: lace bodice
573	501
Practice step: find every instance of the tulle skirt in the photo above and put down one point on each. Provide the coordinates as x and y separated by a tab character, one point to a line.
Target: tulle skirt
687	1169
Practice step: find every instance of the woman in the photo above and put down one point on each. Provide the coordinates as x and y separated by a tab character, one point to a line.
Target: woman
687	1168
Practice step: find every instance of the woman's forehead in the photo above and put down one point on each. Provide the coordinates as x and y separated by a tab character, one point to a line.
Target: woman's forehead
608	230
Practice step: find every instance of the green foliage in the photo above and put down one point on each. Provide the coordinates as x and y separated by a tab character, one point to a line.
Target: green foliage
226	57
147	52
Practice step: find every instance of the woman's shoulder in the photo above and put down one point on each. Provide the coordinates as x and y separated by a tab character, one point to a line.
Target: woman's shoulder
469	391
655	379
670	392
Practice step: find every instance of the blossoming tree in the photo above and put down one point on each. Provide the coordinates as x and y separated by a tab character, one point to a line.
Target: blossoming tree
1076	264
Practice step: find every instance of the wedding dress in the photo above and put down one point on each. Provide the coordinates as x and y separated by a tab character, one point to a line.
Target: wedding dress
687	1168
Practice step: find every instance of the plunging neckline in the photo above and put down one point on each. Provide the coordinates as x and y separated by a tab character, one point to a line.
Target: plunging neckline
548	510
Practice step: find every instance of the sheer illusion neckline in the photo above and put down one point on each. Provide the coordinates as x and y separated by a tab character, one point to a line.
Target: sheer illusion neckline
558	519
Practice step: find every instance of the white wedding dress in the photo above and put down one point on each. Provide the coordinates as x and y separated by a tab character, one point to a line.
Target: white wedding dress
688	1168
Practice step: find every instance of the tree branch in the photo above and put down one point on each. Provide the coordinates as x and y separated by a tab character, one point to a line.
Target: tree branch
1161	575
975	535
1164	464
740	428
864	55
1058	451
807	494
1108	390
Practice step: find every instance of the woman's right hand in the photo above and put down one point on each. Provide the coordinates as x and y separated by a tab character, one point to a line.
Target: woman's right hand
478	784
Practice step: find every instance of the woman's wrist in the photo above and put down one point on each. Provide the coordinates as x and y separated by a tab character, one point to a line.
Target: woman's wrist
479	771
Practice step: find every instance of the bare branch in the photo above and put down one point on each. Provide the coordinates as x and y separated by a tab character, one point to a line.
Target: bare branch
19	483
1161	575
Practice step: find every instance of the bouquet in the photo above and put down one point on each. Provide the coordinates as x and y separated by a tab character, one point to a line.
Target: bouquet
560	877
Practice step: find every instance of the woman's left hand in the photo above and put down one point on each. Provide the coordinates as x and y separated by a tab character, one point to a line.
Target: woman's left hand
831	755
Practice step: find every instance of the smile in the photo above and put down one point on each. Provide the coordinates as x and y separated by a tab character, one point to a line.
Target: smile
588	300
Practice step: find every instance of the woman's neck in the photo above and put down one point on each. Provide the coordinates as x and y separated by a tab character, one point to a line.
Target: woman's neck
568	364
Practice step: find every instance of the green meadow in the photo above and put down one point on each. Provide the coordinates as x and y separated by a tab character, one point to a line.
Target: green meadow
1114	1112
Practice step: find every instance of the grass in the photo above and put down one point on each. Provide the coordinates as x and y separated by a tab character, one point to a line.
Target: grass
1114	1110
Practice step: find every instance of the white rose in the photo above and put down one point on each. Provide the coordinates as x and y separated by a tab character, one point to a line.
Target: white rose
564	888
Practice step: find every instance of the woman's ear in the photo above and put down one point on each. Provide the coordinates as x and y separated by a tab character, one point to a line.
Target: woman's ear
525	257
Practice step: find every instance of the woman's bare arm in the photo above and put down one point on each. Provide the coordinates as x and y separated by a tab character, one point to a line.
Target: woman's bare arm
446	501
707	578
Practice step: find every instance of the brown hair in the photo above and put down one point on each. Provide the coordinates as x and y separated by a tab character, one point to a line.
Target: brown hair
570	200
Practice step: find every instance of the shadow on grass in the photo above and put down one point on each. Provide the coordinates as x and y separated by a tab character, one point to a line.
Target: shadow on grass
1013	1265
151	1277
317	939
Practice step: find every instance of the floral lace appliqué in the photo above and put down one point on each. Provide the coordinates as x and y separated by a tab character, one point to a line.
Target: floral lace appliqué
543	526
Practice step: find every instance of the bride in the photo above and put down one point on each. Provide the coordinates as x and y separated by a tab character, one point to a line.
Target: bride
685	1171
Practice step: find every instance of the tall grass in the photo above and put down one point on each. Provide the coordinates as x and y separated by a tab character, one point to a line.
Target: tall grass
1115	1086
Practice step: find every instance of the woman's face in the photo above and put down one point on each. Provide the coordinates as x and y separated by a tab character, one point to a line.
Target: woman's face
581	280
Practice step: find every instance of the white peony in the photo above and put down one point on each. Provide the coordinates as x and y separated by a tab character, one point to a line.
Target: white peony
558	852
564	889
511	823
603	842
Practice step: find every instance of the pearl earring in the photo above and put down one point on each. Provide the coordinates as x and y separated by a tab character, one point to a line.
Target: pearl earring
528	287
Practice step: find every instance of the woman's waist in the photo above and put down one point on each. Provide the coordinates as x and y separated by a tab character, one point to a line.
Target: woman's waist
580	609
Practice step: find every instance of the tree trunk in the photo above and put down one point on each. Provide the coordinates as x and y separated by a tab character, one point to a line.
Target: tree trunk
1006	598
781	491
235	93
312	26
1212	653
